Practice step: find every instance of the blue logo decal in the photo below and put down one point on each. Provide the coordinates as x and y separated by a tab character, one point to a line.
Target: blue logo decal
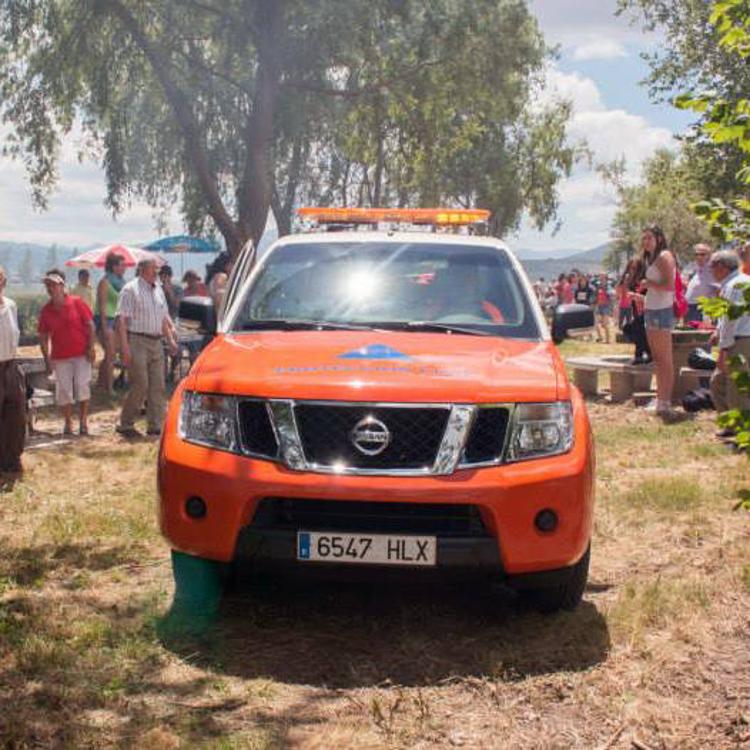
374	351
304	546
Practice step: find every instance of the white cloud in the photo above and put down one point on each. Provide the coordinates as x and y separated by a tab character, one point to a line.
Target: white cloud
615	133
571	23
581	91
77	215
600	49
586	205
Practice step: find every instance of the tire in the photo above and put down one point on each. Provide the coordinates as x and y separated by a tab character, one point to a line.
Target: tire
566	595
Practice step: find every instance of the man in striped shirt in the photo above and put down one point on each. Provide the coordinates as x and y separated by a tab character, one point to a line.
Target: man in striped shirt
142	322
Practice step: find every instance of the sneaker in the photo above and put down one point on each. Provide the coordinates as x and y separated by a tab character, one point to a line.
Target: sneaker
127	432
726	434
658	407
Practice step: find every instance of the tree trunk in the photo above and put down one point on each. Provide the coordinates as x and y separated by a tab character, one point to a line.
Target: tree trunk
256	188
380	160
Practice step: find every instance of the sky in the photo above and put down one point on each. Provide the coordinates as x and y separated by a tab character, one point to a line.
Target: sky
598	68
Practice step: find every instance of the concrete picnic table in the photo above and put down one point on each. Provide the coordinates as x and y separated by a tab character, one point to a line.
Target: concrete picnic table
626	379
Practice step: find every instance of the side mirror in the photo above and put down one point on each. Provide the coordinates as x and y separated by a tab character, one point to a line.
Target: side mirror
198	313
571	321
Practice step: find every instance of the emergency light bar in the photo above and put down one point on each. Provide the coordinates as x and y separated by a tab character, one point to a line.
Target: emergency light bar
431	216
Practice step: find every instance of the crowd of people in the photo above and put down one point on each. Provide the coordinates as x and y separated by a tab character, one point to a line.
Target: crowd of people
651	296
132	320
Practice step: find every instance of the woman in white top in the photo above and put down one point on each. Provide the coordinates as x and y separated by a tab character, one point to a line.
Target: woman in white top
12	388
659	311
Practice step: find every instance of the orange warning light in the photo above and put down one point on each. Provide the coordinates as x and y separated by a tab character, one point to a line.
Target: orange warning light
431	216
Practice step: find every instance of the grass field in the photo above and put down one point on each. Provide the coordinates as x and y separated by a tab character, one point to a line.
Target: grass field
658	655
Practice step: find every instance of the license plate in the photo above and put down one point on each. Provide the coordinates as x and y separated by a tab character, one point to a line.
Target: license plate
373	549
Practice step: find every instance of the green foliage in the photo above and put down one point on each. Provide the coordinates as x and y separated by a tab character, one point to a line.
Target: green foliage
726	120
665	194
231	108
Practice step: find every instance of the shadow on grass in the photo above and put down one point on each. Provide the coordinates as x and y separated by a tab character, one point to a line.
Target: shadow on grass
359	634
28	565
80	674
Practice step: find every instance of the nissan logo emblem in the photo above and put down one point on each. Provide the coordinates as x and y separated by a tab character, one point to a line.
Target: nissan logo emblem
370	436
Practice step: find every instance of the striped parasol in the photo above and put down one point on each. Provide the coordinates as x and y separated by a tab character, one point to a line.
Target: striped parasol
96	258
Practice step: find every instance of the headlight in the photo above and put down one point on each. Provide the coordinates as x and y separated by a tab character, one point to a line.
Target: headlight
541	430
209	419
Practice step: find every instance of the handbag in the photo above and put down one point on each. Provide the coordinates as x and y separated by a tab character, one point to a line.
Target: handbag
680	305
700	359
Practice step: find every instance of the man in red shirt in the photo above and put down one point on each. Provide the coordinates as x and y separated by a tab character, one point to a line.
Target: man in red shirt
66	338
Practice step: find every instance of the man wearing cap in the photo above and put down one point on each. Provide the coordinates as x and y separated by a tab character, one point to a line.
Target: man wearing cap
701	284
733	336
66	338
12	391
142	323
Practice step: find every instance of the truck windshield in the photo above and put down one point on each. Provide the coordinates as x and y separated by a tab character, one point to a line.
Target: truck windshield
405	286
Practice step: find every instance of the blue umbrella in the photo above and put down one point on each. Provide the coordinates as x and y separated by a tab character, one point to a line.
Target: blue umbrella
184	243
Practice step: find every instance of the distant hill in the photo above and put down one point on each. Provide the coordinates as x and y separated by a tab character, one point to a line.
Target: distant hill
588	261
24	262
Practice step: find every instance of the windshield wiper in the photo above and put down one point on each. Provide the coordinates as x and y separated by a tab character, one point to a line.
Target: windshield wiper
281	324
429	327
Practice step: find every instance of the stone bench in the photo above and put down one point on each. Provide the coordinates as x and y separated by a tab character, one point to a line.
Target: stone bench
626	379
35	374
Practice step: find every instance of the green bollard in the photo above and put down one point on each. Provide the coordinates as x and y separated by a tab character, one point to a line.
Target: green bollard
197	594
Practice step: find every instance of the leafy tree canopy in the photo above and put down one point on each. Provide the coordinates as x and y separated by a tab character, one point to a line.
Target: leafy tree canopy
669	187
234	107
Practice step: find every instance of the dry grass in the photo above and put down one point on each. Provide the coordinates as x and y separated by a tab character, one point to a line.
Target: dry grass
657	654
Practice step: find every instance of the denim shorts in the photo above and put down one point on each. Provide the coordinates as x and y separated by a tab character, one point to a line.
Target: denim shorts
662	320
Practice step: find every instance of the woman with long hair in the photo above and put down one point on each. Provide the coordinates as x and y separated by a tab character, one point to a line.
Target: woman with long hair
658	304
217	275
107	294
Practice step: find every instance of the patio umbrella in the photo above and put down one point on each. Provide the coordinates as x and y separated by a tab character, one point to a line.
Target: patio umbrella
96	258
183	243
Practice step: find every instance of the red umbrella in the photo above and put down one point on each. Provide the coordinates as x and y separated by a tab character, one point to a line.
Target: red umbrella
97	258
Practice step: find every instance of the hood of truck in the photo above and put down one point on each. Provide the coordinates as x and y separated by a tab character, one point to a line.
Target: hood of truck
380	366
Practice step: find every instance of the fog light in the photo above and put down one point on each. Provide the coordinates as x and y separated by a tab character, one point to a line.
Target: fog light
546	520
195	507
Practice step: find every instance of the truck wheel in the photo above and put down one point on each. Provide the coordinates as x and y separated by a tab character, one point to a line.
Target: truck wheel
565	595
198	589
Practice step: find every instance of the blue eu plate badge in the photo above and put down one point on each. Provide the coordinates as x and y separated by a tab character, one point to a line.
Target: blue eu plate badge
303	542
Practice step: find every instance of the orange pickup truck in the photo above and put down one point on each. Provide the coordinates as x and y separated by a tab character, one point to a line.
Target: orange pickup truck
380	398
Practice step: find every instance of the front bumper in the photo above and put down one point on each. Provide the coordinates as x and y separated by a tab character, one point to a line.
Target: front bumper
508	497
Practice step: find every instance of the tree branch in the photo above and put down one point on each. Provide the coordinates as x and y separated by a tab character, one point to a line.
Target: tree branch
375	86
189	126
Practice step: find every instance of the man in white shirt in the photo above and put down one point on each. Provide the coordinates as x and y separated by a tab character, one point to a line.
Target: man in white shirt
733	335
12	388
142	323
701	284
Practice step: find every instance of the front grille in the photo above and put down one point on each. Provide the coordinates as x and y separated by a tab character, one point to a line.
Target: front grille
325	431
256	432
434	519
487	436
